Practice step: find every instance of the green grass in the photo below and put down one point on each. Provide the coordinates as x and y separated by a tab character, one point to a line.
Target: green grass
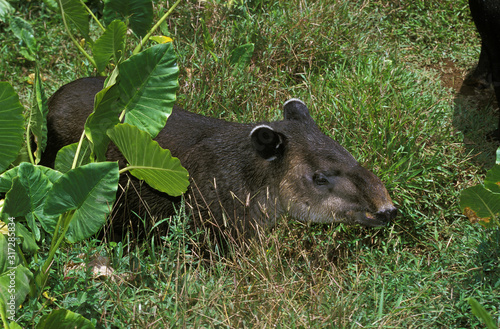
369	74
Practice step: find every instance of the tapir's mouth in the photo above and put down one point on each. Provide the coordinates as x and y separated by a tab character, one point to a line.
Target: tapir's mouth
365	218
381	218
370	220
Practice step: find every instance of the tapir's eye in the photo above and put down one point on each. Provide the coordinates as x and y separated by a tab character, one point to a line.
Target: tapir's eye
320	179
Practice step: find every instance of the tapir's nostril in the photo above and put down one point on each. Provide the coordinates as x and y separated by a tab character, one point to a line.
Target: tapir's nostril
387	214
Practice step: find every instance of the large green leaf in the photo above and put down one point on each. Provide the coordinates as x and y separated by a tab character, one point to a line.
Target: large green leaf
17	201
64	319
480	205
7	177
76	15
14	287
11	125
492	180
240	57
104	117
28	242
139	14
26	198
66	156
148	161
38	120
52	4
23	30
11	255
110	44
89	192
5	10
147	84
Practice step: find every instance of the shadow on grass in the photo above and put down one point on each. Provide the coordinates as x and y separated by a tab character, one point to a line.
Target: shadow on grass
488	260
476	115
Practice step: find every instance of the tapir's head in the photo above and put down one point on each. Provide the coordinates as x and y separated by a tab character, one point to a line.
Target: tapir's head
320	181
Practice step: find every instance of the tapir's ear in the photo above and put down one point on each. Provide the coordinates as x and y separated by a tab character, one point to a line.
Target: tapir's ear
266	142
295	109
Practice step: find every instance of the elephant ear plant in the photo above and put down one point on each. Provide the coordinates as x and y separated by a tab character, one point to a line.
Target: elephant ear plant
44	206
481	204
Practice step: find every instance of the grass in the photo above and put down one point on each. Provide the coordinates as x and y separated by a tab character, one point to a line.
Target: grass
370	74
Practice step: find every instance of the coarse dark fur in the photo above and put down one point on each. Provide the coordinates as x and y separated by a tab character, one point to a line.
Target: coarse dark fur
242	175
486	16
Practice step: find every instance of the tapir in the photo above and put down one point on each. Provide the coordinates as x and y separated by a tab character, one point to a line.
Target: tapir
243	176
486	16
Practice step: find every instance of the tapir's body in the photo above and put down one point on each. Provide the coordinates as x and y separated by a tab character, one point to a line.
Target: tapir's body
242	175
486	16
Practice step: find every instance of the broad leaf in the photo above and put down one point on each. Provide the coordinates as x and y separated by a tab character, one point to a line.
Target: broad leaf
148	161
66	156
161	39
139	14
12	125
17	201
480	205
492	180
52	4
27	196
240	57
89	192
23	30
147	84
11	296
64	319
7	177
110	44
5	10
28	242
104	117
75	15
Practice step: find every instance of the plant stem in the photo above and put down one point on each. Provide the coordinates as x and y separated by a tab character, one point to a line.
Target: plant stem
162	19
91	60
93	16
3	314
78	149
28	143
65	219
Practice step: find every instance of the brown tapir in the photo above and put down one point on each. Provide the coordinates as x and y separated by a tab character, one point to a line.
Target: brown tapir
242	174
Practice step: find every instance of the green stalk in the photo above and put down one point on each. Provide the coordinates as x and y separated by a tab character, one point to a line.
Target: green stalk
3	314
77	44
162	19
93	16
78	148
64	220
28	144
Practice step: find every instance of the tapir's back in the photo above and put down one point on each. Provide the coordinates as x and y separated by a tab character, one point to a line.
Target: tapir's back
74	102
69	107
